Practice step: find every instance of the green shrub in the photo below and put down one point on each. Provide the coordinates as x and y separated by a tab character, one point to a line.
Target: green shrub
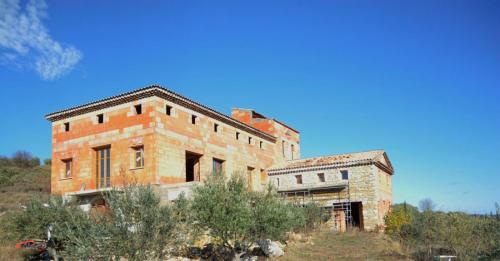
136	227
235	218
430	233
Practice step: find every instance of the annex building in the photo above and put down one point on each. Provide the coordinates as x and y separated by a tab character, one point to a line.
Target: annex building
155	136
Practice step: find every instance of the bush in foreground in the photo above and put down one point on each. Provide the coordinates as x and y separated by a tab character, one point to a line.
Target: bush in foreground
135	226
430	233
235	218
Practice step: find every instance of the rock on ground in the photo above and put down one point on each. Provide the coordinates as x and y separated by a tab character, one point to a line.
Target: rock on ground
270	248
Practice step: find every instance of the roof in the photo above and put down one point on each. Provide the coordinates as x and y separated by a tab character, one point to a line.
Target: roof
158	91
376	157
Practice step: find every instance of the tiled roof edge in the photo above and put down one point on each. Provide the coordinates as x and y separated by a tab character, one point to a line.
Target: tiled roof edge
281	171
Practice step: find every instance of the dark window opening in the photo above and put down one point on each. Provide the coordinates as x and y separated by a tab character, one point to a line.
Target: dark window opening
100	118
261	144
321	177
237	135
66	126
168	110
217	167
138	109
292	150
216	127
68	163
298	179
139	156
345	174
192	167
193	119
283	147
278	181
250	140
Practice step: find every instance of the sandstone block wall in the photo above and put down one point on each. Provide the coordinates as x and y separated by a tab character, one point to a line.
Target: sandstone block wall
367	184
165	138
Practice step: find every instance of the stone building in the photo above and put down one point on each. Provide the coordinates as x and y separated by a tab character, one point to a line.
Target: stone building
158	137
356	187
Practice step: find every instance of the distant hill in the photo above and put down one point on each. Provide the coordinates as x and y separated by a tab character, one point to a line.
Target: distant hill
21	178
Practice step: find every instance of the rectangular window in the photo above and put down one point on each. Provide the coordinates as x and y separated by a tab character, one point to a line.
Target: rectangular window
193	119
298	179
100	118
168	110
237	135
283	147
261	144
139	156
345	174
250	140
216	127
292	150
278	181
68	167
138	109
103	168
217	166
321	177
66	126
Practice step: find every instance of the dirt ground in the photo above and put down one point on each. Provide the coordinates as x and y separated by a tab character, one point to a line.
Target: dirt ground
353	245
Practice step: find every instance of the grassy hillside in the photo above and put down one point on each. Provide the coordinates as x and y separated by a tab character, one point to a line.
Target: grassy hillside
21	178
17	185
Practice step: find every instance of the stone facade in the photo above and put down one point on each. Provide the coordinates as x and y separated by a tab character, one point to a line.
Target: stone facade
367	184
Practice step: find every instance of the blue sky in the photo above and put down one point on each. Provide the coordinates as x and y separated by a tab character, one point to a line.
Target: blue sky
420	79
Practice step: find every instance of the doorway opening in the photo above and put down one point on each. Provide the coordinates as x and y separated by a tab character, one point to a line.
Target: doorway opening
192	167
357	214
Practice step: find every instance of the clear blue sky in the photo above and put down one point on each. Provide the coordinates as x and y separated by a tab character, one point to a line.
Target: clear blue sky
420	79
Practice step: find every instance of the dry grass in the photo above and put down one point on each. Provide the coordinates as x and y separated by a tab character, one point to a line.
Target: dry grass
353	245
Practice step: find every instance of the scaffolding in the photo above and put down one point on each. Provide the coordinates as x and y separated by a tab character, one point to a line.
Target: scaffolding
341	204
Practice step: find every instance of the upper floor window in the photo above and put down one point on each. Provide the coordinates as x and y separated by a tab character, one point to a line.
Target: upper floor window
321	177
298	179
100	118
292	150
193	119
345	174
261	144
216	127
138	109
250	140
66	126
68	167
168	110
237	135
139	156
283	147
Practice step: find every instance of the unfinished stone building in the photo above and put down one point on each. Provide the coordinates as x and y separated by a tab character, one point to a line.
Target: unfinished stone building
158	137
355	188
